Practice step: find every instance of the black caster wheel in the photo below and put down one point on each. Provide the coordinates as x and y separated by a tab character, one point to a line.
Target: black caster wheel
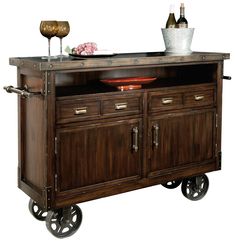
38	212
172	184
195	188
64	222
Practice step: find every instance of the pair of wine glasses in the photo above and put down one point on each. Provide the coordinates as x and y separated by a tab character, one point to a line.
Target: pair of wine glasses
50	29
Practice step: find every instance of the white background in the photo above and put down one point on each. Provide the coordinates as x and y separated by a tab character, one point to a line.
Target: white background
152	214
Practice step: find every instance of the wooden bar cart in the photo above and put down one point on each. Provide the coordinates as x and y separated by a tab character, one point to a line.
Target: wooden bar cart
81	139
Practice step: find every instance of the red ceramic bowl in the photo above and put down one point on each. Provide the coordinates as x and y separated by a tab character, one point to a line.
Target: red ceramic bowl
128	83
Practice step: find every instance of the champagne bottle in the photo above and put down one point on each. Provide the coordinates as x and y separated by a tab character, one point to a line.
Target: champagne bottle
171	22
182	21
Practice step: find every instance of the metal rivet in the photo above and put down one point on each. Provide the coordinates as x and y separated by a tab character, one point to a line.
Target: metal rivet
203	57
136	61
110	62
50	65
82	64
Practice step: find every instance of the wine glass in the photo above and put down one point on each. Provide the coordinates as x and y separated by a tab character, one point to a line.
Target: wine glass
49	29
63	30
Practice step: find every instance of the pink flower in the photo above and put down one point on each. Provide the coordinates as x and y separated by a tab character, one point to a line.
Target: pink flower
86	48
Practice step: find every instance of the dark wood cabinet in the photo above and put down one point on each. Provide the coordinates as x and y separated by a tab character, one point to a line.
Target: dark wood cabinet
98	153
181	139
80	139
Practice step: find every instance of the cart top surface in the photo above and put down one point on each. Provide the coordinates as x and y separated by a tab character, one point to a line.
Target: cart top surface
116	60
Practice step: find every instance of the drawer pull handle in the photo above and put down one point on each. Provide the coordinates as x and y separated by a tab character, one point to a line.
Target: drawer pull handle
135	135
167	100
79	111
155	135
198	97
120	106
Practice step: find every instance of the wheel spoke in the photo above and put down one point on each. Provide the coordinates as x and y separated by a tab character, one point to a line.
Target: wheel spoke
39	212
73	212
201	183
190	192
59	230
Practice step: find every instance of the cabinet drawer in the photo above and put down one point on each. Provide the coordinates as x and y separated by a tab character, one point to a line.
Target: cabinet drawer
123	106
72	110
165	101
199	98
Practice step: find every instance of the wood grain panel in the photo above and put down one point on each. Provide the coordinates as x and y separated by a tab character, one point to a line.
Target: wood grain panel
199	98
183	139
97	153
33	134
204	140
161	157
68	110
167	101
132	106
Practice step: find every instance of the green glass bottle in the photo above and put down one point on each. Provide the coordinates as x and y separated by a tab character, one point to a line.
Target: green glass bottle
171	22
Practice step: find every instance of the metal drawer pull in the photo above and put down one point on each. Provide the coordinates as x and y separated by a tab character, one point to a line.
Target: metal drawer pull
167	100
120	106
198	97
79	111
20	91
155	135
135	133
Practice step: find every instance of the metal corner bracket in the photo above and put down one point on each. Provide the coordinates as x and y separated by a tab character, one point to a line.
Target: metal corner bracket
47	83
48	197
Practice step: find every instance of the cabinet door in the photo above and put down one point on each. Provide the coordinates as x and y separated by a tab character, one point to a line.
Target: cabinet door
98	154
181	139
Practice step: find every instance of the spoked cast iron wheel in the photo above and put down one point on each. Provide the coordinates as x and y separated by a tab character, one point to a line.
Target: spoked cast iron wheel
195	188
64	222
38	212
172	184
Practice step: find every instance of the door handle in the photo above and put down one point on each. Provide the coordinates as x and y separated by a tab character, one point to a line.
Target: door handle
135	135
155	135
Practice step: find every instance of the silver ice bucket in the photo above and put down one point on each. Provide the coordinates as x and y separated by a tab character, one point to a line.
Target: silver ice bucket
178	41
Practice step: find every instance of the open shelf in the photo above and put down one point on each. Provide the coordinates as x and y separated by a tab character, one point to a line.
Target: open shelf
80	83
